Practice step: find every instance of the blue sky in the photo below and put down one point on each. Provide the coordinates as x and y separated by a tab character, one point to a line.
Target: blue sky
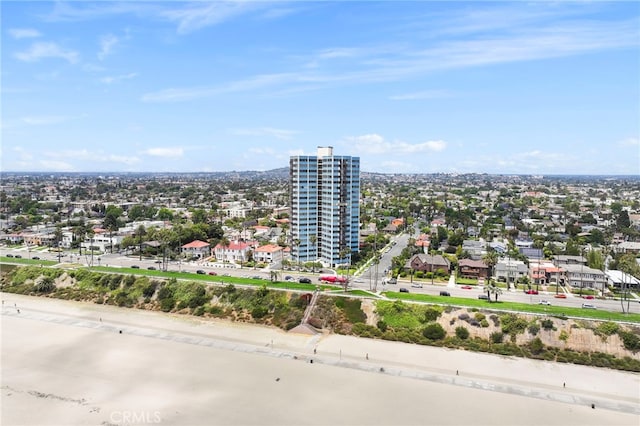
420	87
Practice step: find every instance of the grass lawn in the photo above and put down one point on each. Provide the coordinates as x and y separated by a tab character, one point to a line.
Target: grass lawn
518	307
466	281
24	261
216	279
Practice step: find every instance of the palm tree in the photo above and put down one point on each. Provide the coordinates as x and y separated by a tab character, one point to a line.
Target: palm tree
490	259
492	288
343	254
225	243
296	244
314	241
140	232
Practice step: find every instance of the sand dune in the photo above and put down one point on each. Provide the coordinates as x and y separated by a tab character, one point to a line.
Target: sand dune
67	363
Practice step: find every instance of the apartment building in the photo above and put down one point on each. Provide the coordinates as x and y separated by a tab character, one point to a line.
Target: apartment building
325	207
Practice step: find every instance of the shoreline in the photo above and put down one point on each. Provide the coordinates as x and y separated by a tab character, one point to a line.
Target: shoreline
531	382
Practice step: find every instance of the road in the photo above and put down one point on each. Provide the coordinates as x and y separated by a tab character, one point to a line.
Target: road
366	281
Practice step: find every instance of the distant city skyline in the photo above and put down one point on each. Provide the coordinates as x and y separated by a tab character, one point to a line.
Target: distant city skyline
549	88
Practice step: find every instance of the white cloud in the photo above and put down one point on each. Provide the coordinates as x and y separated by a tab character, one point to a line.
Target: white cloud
202	15
377	145
191	93
118	78
43	50
45	120
107	44
281	134
23	33
56	166
88	157
167	152
629	142
426	94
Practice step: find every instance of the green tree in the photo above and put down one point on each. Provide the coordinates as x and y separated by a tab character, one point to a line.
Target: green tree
490	259
140	233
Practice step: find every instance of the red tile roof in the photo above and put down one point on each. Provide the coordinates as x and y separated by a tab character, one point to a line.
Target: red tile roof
196	244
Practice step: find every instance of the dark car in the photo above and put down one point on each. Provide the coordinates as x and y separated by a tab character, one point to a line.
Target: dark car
305	280
18	256
151	268
35	258
404	290
135	267
483	297
445	293
212	273
9	255
200	272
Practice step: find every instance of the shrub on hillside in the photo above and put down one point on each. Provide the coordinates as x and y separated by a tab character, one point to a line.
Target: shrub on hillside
496	337
547	324
434	331
462	333
630	341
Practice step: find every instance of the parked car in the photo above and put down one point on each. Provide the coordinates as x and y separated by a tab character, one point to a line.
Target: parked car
588	306
304	280
445	293
135	267
392	281
212	273
404	290
588	296
560	296
18	256
9	255
544	302
288	278
483	297
200	272
35	258
151	268
466	287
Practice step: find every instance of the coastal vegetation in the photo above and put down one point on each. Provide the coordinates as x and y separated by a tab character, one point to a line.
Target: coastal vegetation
551	337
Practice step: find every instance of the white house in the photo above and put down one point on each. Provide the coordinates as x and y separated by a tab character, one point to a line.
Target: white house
196	248
236	251
268	253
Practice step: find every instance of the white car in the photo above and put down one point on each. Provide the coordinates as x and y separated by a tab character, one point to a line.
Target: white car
544	302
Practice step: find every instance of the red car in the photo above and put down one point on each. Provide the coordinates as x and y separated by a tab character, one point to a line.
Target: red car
560	296
212	273
466	287
531	291
588	296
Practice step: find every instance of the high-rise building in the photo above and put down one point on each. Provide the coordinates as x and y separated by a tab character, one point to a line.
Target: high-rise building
325	207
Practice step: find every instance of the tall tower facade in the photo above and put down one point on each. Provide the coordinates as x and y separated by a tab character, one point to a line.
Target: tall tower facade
325	207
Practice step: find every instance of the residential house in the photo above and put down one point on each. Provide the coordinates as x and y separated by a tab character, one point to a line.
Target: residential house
469	268
269	253
428	263
235	252
475	249
510	270
628	247
198	249
579	276
543	272
621	279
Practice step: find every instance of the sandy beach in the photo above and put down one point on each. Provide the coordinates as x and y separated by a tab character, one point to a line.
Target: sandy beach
71	363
